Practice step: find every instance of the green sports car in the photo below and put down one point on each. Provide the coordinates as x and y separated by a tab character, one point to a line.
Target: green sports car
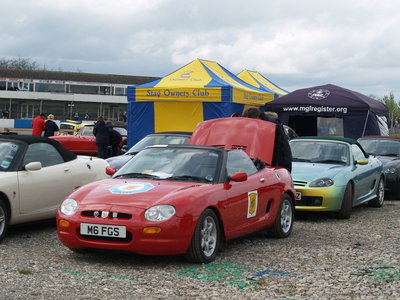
335	174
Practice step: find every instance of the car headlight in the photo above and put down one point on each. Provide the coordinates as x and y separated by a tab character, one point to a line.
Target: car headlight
390	170
69	206
159	213
322	182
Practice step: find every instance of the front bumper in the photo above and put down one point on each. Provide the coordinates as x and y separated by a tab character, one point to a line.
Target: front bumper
319	199
174	238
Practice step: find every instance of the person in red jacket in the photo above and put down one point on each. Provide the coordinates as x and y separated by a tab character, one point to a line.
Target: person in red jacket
38	125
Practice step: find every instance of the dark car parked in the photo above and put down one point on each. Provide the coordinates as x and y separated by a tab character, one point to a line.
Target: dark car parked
161	138
387	150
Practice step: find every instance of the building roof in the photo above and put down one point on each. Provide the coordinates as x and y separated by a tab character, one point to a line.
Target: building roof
75	76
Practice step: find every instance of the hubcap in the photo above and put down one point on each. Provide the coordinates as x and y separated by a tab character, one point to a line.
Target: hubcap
286	216
2	220
208	236
381	192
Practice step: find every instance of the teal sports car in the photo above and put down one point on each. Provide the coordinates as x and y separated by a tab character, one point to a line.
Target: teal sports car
335	174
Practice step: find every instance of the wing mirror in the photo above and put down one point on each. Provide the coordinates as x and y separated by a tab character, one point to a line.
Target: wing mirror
110	170
238	177
33	166
362	162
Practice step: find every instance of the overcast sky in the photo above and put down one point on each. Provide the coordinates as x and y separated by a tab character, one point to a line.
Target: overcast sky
296	44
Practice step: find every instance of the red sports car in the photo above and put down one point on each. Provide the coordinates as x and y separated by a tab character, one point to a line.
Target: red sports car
186	199
84	142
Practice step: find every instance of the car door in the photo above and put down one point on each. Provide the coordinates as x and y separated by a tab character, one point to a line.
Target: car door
245	201
85	141
41	191
364	175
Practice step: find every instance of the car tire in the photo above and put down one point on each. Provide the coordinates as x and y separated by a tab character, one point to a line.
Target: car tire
283	224
397	191
4	219
347	203
380	195
206	238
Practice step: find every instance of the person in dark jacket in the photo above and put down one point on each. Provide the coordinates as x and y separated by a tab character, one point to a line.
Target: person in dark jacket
115	140
100	131
51	127
282	156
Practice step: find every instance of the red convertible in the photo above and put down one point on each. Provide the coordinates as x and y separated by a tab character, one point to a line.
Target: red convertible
186	199
84	142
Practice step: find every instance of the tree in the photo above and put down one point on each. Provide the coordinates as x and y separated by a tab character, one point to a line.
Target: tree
18	64
392	105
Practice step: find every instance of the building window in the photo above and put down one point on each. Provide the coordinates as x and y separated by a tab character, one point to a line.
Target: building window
120	91
50	87
83	89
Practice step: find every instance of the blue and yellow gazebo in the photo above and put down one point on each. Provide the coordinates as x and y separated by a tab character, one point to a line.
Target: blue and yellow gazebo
200	90
256	79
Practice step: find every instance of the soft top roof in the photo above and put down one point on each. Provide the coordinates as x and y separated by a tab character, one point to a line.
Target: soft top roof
32	139
332	138
255	137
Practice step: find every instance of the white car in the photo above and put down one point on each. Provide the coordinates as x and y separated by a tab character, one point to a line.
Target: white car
36	173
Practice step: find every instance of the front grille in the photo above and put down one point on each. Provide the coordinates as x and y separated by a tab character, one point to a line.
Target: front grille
299	183
111	239
309	201
111	214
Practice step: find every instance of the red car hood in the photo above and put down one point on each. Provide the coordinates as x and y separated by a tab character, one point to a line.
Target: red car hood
137	193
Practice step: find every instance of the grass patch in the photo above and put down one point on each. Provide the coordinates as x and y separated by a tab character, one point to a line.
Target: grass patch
25	271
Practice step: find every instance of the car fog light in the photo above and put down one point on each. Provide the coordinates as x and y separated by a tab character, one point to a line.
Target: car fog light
151	230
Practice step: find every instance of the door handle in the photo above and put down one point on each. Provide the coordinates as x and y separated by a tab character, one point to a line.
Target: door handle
66	169
262	179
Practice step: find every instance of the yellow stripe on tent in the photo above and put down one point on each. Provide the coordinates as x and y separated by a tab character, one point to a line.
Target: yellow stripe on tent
216	68
178	94
246	97
191	75
177	116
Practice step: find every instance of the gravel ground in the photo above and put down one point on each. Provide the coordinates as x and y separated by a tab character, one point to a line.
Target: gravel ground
324	258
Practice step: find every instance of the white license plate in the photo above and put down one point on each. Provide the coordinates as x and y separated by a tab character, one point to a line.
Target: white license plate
298	196
103	230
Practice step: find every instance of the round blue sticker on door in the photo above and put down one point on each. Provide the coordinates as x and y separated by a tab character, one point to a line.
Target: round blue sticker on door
131	188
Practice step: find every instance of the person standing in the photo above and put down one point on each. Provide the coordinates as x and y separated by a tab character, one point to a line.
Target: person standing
282	156
115	139
38	125
51	126
101	132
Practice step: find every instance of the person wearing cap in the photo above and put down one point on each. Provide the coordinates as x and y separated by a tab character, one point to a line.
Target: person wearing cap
51	126
38	125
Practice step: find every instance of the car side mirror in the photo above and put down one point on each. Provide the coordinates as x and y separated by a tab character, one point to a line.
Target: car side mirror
110	170
239	177
33	166
362	162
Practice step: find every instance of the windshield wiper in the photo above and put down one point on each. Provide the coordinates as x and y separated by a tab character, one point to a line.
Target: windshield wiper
137	175
188	177
329	161
389	154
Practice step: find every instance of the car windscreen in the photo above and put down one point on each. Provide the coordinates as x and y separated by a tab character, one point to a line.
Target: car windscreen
121	131
8	152
381	146
158	140
177	164
319	152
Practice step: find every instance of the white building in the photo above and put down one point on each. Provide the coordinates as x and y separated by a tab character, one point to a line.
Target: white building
67	95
